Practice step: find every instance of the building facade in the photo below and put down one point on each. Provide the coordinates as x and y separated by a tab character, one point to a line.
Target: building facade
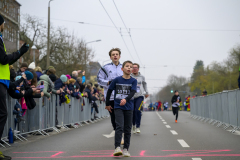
10	10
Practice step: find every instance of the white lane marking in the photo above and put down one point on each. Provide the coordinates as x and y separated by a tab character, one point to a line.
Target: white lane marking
183	143
196	158
164	122
168	126
174	132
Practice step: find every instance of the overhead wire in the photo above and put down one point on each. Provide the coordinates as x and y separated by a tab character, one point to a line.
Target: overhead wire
127	31
164	29
117	29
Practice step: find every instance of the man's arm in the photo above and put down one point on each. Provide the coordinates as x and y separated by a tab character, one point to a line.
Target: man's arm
11	58
109	92
145	87
102	78
7	58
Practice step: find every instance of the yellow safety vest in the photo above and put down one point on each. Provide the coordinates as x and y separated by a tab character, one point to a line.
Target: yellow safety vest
4	69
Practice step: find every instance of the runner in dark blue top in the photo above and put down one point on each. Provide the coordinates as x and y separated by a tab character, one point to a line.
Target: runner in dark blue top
125	87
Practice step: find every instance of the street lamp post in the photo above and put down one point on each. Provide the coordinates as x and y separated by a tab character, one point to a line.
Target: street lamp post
86	52
34	49
48	51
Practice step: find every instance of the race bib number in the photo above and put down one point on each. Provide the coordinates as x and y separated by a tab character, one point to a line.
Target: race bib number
123	90
138	87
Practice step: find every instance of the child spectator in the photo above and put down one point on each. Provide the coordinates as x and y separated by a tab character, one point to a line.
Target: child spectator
45	80
39	73
22	69
72	85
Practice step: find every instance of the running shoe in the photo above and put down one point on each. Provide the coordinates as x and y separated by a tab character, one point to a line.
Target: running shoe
126	153
138	130
117	152
134	129
122	141
175	121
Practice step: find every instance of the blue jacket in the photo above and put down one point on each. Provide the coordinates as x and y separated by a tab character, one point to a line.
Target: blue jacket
39	74
71	87
58	84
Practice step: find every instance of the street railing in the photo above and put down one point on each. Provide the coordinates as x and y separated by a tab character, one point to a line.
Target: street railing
50	115
221	108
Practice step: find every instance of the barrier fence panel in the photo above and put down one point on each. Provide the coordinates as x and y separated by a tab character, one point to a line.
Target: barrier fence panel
225	107
206	107
48	113
232	103
219	107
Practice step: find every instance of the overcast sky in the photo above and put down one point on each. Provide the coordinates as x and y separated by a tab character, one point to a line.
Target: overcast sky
188	30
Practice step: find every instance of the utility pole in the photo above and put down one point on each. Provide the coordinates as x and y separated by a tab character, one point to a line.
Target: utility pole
48	41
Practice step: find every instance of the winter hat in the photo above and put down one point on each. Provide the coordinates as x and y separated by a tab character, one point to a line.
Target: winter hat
29	75
1	20
24	64
52	77
51	71
32	65
51	67
18	77
68	76
63	78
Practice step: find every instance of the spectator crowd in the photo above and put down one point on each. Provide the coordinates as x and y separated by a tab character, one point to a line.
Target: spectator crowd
31	82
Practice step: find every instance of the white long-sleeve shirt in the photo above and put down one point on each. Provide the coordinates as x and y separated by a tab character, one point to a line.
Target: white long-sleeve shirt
108	73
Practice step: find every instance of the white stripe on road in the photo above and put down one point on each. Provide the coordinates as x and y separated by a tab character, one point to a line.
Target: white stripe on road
164	122
168	126
196	158
174	132
183	143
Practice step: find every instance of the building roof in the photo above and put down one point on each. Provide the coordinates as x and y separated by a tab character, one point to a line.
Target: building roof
18	3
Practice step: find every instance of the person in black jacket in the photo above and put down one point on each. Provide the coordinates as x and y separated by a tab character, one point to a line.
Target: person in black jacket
239	79
5	61
89	94
175	104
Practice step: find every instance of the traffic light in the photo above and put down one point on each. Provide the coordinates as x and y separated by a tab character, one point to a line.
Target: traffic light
171	90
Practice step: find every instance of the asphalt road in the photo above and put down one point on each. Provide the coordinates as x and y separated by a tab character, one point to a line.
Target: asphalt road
160	138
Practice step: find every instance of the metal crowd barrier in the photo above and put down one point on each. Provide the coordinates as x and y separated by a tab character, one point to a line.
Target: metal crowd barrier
50	115
221	108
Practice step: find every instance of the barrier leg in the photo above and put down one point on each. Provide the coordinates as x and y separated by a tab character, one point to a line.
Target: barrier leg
5	143
22	137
